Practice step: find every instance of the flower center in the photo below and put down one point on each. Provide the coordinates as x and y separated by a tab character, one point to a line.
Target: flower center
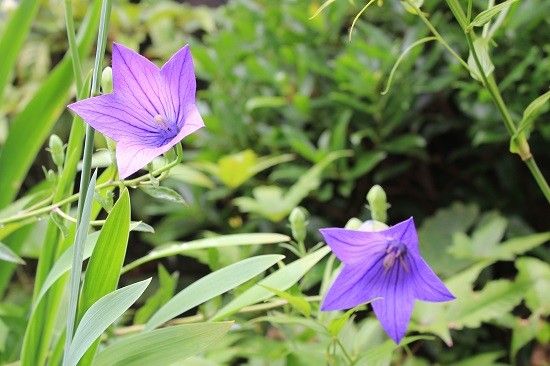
395	252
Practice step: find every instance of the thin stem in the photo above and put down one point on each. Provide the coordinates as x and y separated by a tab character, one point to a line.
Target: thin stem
133	183
78	256
200	317
522	143
344	351
73	47
436	33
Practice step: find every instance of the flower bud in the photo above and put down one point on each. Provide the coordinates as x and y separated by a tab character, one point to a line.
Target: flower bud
298	223
378	203
353	224
107	80
57	151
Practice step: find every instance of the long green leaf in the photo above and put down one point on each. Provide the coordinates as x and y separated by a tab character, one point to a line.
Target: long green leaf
280	280
162	346
31	126
216	242
103	270
212	285
6	254
14	35
100	316
488	14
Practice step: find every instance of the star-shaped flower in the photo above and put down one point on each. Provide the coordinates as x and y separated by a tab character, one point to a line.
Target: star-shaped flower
150	110
382	264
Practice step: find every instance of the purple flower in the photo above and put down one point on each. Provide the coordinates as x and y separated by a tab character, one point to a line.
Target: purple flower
150	109
382	264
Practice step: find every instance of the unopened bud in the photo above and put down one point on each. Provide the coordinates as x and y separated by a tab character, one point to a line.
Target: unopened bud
298	223
353	224
378	203
107	80
57	150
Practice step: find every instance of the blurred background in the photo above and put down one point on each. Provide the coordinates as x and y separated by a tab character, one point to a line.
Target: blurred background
282	95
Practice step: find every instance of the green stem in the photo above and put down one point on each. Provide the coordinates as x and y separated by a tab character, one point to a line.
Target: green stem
436	33
78	257
522	143
127	183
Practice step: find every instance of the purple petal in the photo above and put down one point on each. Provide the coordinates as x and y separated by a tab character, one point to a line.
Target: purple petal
355	285
113	118
134	154
179	77
353	246
395	308
404	232
426	285
138	82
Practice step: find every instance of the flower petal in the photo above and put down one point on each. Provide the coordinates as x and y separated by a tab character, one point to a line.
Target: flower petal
133	154
353	246
138	82
395	308
179	77
355	285
426	285
114	118
405	232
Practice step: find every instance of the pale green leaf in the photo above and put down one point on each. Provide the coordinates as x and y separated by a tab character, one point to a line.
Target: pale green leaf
162	346
100	316
486	15
212	285
297	302
215	242
281	280
533	110
536	272
163	193
481	47
6	254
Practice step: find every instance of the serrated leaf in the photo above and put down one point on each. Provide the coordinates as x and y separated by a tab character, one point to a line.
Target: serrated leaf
163	193
281	280
6	254
486	15
212	285
536	272
100	316
162	346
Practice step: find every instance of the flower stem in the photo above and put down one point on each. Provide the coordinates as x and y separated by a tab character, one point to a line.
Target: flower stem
523	145
78	256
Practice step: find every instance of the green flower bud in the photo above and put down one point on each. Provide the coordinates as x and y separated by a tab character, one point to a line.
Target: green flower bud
107	80
298	223
353	224
378	203
57	151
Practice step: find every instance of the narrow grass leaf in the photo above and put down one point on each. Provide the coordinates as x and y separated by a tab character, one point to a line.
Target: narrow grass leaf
281	280
212	285
100	316
6	254
215	242
162	346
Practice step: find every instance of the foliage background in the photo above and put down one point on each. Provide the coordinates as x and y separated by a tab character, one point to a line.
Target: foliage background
274	82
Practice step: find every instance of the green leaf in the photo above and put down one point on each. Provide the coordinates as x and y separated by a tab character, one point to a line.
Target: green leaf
281	280
6	254
187	174
13	37
481	47
297	302
162	346
488	358
533	110
486	15
100	316
163	193
335	326
64	264
458	12
524	331
212	285
165	291
215	242
381	355
536	272
30	128
265	102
